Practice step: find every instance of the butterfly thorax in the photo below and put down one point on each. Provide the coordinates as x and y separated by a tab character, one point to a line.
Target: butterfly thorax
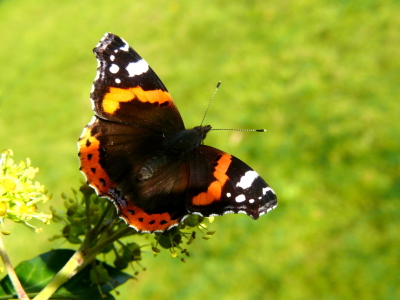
178	146
185	141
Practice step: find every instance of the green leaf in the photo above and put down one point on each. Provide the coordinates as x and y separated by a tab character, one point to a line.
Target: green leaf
36	273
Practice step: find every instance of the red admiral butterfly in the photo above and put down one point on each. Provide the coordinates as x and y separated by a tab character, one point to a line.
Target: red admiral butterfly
137	152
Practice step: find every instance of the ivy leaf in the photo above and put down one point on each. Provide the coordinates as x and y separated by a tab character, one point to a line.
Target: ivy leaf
37	272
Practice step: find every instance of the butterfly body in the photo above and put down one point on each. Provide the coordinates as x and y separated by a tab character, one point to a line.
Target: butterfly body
137	152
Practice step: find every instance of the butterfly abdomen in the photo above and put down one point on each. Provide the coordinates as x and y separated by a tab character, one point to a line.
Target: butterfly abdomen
151	166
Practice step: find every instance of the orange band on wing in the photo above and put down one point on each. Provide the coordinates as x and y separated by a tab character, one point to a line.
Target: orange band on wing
215	188
142	221
111	101
89	155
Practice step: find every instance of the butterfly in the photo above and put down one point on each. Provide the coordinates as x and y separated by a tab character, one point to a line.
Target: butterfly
136	151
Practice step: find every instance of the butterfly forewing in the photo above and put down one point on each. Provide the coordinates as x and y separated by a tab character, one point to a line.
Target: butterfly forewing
127	90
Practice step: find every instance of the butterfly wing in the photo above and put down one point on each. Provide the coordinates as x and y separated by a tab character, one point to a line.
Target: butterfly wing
112	155
134	115
221	183
126	90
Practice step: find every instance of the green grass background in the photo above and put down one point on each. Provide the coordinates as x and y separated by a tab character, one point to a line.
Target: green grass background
321	76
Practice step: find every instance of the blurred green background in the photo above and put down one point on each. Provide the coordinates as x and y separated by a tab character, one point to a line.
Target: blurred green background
321	76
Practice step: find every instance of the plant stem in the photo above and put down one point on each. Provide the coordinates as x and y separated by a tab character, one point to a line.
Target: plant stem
95	230
11	272
80	259
62	276
92	252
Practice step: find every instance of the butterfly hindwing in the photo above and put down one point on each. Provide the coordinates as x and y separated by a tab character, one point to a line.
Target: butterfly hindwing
222	183
112	157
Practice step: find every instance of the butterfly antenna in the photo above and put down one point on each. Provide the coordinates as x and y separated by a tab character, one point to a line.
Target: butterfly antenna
256	130
209	103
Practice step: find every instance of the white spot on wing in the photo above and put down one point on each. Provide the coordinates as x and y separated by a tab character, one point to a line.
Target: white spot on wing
114	68
247	179
184	217
137	68
97	75
228	195
251	201
112	57
240	198
214	215
265	190
92	121
269	209
117	80
228	212
124	47
93	104
104	36
197	213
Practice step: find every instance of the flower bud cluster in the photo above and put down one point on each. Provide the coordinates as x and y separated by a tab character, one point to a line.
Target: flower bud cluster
19	194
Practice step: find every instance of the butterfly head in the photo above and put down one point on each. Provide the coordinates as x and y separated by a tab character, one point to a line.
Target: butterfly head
187	140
